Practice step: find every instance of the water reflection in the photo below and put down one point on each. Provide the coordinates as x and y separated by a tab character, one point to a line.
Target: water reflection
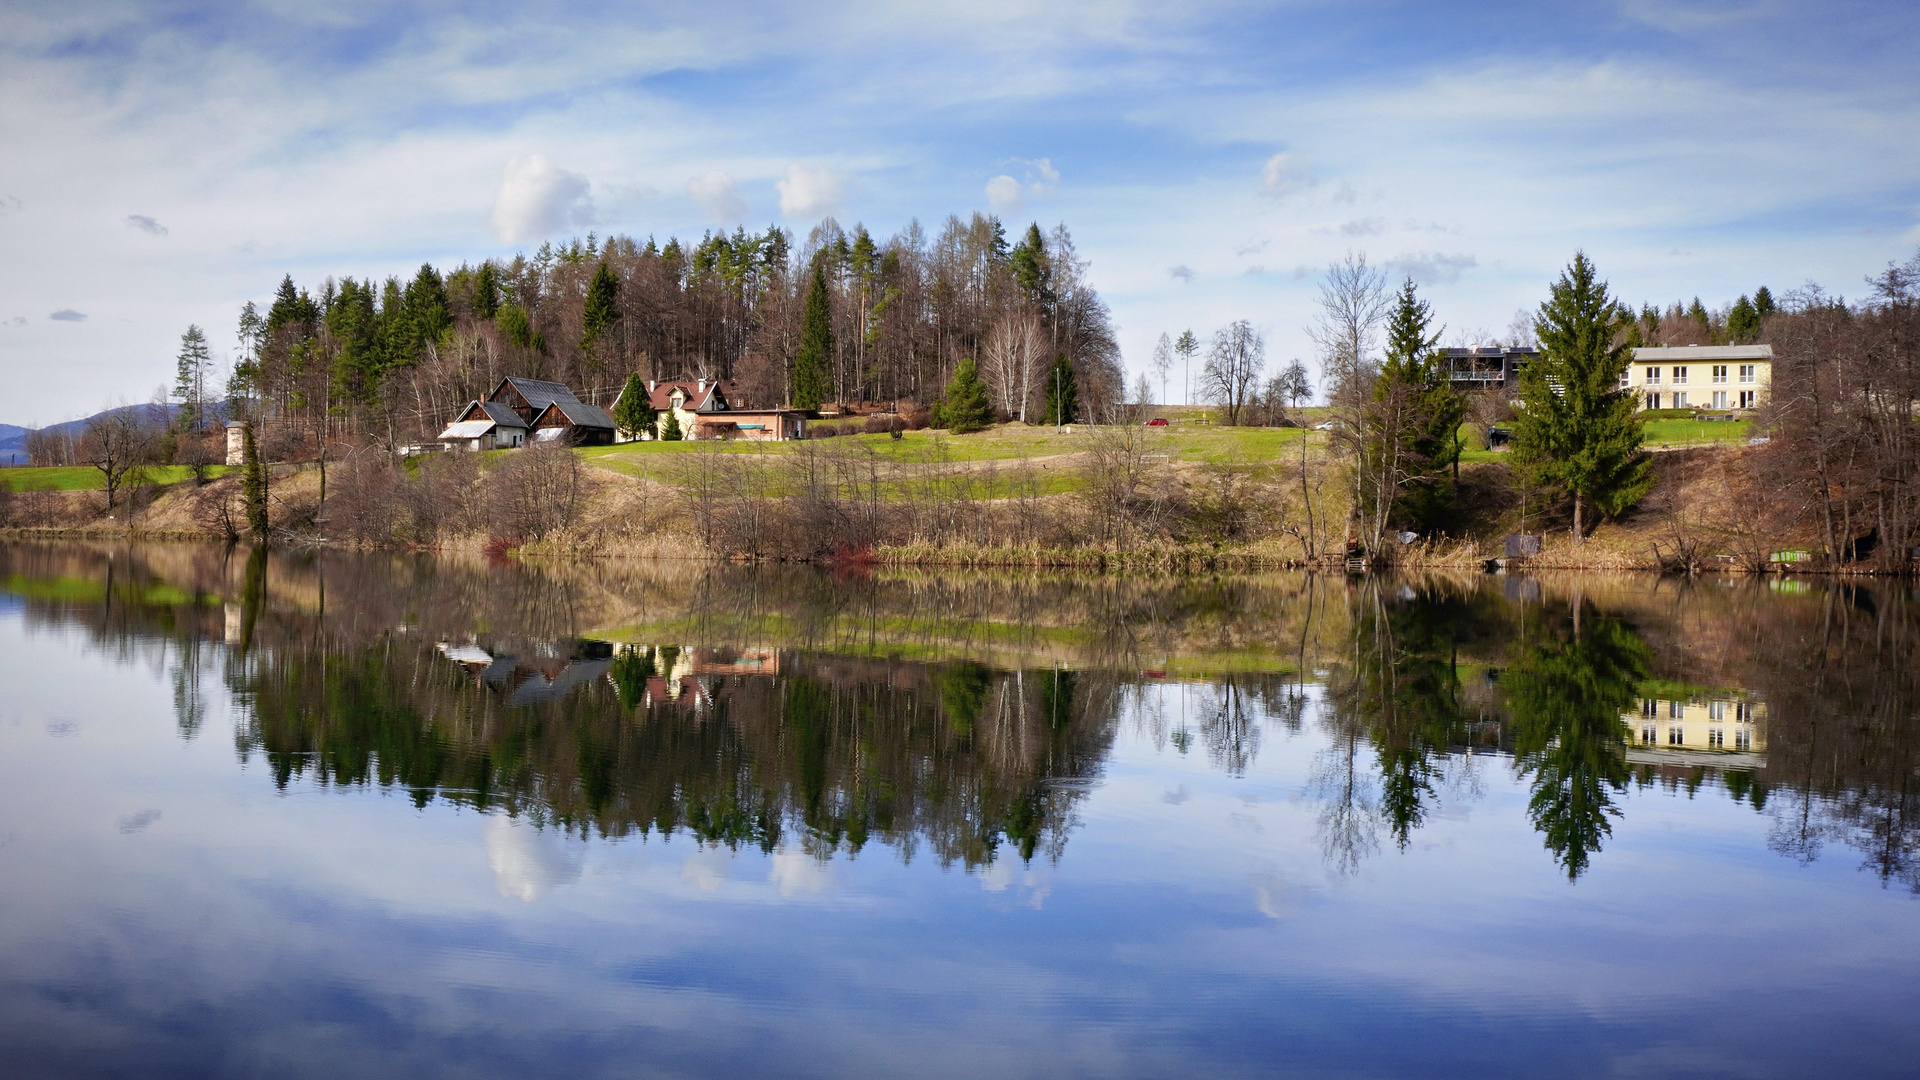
968	717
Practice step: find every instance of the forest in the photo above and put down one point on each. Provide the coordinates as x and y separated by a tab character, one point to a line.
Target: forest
388	362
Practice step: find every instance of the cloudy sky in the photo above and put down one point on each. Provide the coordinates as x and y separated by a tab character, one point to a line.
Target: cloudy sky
164	162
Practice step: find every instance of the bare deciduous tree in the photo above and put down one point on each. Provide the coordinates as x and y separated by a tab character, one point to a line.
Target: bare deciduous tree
1234	362
119	442
1014	359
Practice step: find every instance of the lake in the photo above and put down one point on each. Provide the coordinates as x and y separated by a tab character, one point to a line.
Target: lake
292	814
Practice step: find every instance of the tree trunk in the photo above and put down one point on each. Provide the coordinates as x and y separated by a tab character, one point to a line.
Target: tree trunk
1579	533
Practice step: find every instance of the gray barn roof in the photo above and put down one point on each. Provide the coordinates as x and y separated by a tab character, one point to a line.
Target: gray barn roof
540	393
580	414
502	414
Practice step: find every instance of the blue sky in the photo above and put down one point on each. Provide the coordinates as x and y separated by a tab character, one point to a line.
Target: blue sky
166	162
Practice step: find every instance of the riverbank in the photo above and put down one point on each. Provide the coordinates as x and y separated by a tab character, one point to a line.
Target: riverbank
1209	501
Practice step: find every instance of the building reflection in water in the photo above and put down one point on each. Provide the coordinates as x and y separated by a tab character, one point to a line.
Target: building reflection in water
966	717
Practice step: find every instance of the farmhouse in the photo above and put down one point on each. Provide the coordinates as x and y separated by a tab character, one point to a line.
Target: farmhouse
485	425
1715	377
522	409
715	409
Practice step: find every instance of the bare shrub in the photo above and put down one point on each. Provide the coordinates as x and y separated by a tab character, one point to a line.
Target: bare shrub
367	503
533	493
216	508
1131	494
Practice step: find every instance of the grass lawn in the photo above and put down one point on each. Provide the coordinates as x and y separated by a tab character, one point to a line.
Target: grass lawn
1005	442
88	478
1695	432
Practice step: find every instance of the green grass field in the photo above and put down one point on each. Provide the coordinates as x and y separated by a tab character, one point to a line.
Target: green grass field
88	478
1696	432
1007	447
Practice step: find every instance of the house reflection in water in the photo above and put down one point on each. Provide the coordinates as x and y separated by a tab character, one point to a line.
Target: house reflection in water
541	672
547	671
1727	732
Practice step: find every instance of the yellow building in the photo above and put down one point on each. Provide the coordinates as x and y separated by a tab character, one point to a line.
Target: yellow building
1730	731
1718	378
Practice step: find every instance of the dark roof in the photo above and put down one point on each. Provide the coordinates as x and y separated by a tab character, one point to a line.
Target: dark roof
498	412
580	414
538	392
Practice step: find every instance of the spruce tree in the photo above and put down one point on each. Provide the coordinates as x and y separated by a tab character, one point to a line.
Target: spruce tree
1763	302
967	407
1031	270
486	291
1413	425
253	485
670	432
1743	322
1577	434
602	304
1063	396
812	376
634	411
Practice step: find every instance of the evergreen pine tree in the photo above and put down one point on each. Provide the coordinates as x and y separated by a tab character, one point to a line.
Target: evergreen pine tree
670	432
486	291
1063	395
1414	421
1743	322
1577	433
253	485
190	378
1030	269
967	407
812	377
1763	302
426	314
602	304
634	411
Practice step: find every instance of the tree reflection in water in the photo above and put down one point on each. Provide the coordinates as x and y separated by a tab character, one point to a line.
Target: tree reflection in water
970	715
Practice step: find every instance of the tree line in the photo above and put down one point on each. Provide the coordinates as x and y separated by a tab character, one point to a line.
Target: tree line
839	317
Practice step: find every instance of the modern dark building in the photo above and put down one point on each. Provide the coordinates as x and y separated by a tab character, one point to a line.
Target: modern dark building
1487	367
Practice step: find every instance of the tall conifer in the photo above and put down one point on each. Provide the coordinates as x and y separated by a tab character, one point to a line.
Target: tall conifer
1577	432
602	304
812	377
1063	396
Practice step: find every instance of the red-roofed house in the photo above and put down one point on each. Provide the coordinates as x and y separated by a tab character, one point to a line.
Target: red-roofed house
715	409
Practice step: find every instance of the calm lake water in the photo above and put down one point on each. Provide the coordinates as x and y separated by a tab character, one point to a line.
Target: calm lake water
292	815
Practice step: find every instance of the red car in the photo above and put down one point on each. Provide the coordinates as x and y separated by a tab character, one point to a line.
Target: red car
1158	421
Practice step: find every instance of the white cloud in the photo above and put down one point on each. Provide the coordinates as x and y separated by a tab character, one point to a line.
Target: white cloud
1007	195
1429	268
538	199
1372	226
796	873
1275	898
146	224
1284	174
68	315
527	861
810	193
707	868
17	320
1181	273
719	196
1255	270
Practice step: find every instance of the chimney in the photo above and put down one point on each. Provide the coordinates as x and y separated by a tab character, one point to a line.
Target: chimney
701	386
649	386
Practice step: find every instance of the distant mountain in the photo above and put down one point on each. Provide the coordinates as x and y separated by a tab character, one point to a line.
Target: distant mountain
13	437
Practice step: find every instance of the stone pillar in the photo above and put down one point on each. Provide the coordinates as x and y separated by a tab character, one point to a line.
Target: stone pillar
236	443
